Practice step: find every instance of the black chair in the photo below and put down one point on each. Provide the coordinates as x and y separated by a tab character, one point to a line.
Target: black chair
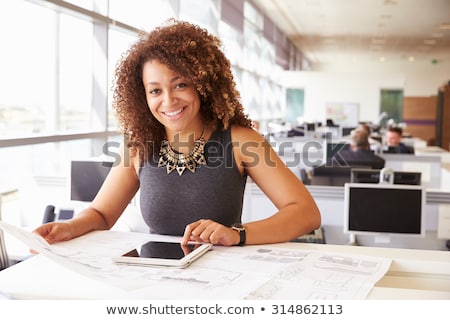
4	260
49	214
330	175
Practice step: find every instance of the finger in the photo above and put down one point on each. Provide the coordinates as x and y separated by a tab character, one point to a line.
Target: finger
206	234
222	236
186	249
215	237
42	230
188	233
197	228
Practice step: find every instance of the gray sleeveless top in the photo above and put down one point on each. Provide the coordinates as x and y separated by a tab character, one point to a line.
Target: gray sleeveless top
215	191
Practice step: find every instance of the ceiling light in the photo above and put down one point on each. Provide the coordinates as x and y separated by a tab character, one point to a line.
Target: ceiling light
382	59
389	2
429	42
444	26
378	41
329	41
411	59
313	3
437	35
424	48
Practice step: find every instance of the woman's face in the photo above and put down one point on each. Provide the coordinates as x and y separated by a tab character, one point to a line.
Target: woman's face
172	99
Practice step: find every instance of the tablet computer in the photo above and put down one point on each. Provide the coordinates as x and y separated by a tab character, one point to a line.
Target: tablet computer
161	253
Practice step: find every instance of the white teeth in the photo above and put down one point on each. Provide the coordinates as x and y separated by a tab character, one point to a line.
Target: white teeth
171	114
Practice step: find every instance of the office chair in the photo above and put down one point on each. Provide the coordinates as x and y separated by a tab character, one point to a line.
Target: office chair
49	214
4	260
330	175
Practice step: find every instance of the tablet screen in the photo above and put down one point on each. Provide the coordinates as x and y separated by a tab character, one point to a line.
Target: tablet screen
161	250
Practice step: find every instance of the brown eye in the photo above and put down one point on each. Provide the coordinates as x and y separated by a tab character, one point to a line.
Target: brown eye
181	85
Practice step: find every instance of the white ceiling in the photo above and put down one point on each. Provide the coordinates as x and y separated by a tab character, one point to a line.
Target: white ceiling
348	31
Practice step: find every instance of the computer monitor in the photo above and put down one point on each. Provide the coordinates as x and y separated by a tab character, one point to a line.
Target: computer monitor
346	131
86	178
389	149
310	126
384	210
330	175
360	175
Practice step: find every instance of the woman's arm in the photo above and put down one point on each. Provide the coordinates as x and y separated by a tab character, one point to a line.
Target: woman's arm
297	211
118	189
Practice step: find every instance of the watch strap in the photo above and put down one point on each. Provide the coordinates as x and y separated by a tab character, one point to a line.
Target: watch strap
242	232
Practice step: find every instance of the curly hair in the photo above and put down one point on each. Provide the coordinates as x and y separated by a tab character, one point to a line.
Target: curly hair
194	54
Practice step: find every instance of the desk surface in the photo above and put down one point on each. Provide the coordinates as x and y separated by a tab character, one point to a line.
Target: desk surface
413	274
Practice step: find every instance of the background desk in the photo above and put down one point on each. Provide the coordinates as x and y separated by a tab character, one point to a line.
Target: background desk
331	205
413	274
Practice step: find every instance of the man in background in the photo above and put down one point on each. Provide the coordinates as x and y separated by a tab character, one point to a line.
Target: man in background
360	153
393	141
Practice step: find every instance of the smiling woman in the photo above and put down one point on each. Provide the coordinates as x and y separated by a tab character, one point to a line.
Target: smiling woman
177	105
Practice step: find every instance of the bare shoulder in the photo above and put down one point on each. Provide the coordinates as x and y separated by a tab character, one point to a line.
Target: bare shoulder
244	134
127	160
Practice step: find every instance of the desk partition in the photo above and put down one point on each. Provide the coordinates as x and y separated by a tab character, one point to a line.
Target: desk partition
429	166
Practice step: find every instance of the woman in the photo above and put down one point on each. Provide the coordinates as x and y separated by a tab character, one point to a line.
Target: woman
190	149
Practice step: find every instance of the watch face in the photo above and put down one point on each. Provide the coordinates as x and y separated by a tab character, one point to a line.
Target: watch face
238	226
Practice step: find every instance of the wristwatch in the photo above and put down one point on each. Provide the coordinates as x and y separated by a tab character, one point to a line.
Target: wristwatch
239	227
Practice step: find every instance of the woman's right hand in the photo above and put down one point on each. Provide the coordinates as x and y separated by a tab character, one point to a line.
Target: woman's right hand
55	231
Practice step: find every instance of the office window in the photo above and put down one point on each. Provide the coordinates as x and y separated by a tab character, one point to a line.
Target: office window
252	48
75	39
47	78
295	103
232	42
268	97
232	13
142	14
27	76
253	16
202	12
392	104
268	68
86	4
251	97
278	105
118	44
237	76
282	49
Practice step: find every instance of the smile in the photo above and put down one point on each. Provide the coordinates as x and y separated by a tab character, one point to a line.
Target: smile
174	113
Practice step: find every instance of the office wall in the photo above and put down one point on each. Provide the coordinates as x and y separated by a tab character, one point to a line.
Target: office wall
422	77
361	83
420	115
328	87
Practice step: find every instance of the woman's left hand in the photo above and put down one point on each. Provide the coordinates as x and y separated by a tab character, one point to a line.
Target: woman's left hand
210	232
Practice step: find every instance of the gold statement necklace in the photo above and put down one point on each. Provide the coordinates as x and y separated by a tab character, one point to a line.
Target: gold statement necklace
172	159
